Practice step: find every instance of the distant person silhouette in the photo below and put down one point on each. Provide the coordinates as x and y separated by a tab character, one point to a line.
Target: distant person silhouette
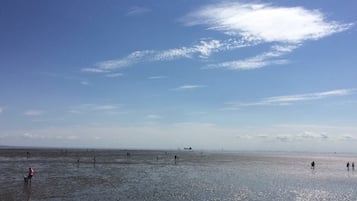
348	165
353	165
313	165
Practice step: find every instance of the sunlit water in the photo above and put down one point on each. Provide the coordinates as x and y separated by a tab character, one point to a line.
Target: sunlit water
154	175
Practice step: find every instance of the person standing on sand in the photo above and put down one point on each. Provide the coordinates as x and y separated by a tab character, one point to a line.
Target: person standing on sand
313	165
353	165
176	157
30	174
348	165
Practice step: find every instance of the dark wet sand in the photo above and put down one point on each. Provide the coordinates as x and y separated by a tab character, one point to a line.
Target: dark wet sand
59	175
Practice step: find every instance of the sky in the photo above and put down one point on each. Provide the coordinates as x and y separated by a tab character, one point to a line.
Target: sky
217	75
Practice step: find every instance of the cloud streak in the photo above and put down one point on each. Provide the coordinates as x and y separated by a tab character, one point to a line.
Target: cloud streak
267	58
94	108
291	99
34	112
188	87
157	77
136	10
203	49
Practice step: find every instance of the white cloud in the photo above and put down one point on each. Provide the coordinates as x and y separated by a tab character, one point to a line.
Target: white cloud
94	107
250	24
306	97
290	99
74	111
105	107
33	136
203	49
153	116
1	110
136	10
348	138
28	135
312	135
94	70
248	64
260	23
110	65
156	77
189	87
114	75
34	112
259	61
266	23
84	83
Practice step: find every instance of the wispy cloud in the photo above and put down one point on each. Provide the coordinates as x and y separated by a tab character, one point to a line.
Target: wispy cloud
34	112
203	49
188	87
247	24
29	135
114	75
156	77
94	70
136	10
313	135
66	77
291	99
94	107
259	61
348	138
1	110
110	65
153	116
85	83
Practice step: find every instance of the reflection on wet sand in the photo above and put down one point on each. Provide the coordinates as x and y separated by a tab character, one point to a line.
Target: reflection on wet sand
27	191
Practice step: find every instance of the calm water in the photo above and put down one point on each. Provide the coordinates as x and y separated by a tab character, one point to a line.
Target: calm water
154	175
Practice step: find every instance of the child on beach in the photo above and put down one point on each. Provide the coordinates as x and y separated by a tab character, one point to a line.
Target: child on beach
29	175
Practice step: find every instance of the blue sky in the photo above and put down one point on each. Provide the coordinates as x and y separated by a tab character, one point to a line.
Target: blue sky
235	75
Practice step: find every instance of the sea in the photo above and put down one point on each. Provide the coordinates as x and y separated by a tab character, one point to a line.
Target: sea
138	175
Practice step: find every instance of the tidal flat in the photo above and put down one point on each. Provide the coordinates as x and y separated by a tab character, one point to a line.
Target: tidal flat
93	174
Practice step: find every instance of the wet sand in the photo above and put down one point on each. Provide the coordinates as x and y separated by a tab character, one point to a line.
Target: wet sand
155	175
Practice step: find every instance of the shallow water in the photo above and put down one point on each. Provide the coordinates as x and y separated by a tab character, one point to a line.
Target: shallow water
154	175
